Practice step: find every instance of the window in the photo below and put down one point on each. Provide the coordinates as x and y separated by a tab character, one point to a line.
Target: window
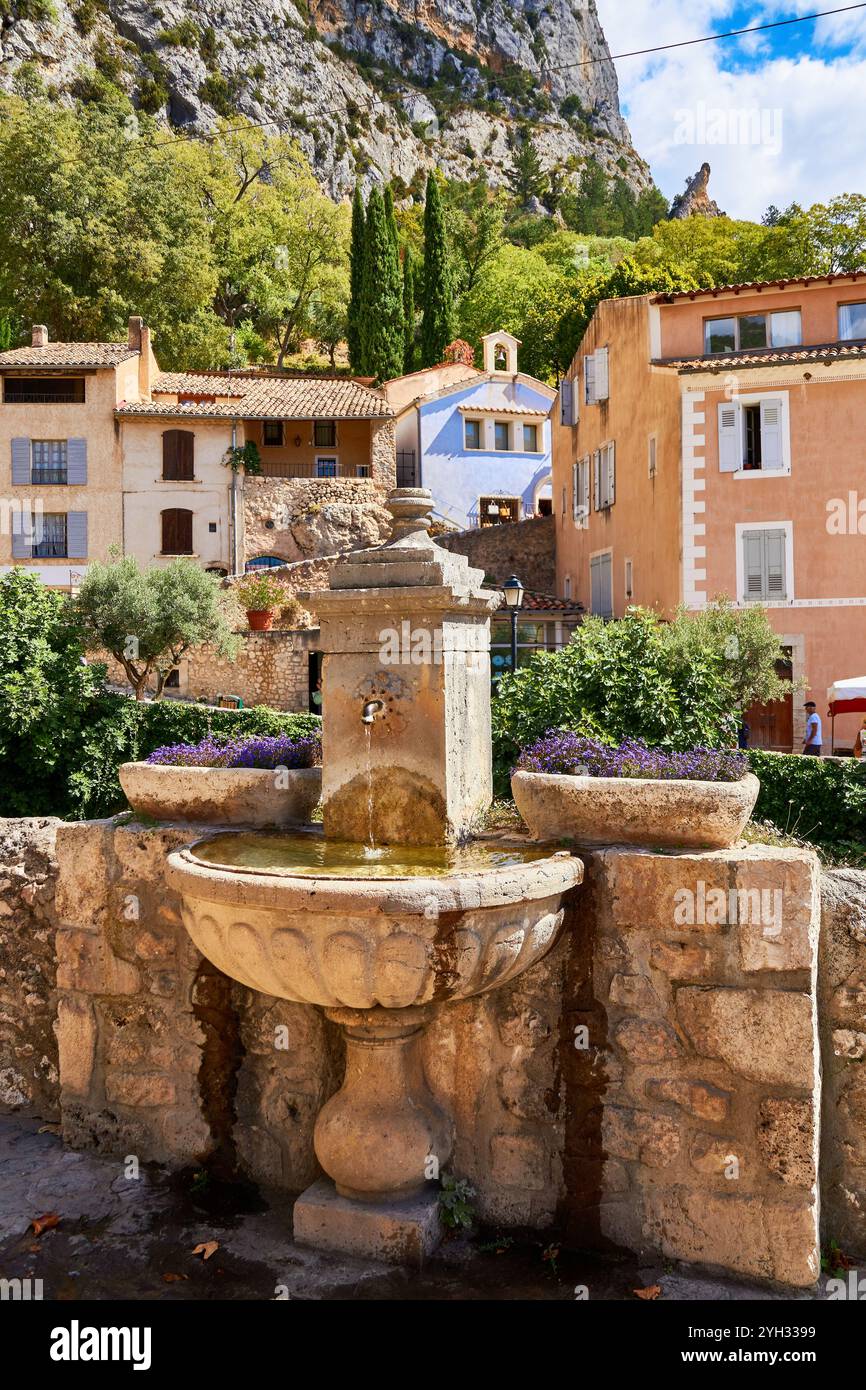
765	565
265	562
502	436
172	680
36	390
784	329
754	435
48	461
496	511
325	434
51	537
852	321
596	377
530	439
177	455
177	531
272	434
326	467
471	435
652	456
589	380
363	470
566	588
580	493
629	579
604	477
601	585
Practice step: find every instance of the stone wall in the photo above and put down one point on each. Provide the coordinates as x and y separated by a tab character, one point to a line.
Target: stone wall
525	548
28	1048
842	1013
653	1083
301	518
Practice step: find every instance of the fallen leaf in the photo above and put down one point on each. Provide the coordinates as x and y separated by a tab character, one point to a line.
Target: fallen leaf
207	1248
174	1278
46	1222
48	1129
651	1292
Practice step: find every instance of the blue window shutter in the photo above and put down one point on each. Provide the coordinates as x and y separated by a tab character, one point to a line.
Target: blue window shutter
22	542
20	462
566	399
76	461
76	535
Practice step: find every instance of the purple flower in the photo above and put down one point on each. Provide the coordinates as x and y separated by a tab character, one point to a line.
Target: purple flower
265	751
565	752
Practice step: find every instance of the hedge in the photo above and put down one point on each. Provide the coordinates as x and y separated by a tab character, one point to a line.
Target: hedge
819	799
118	729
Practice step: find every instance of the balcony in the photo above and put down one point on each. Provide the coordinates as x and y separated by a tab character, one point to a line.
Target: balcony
274	468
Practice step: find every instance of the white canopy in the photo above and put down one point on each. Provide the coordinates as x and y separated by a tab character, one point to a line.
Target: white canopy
852	689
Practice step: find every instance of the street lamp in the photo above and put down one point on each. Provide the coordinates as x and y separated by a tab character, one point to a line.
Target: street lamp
514	591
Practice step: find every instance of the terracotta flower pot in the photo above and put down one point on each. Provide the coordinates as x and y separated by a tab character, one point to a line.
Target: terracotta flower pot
222	795
260	619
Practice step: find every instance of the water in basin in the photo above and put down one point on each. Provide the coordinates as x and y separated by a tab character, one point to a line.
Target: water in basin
313	855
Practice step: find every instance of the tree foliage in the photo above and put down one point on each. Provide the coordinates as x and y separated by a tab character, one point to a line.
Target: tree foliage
381	321
438	318
148	619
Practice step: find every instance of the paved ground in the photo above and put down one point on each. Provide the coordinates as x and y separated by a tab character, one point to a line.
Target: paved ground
124	1238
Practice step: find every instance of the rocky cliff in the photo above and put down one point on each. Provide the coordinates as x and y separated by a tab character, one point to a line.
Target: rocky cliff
371	88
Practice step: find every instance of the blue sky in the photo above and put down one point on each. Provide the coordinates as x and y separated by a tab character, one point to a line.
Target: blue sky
780	116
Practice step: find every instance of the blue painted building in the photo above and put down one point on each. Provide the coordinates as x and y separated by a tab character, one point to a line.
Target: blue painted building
480	440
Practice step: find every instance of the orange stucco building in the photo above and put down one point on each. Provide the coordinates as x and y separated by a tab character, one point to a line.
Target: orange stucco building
714	442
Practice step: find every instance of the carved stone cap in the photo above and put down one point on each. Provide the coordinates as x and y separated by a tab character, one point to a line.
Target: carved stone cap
412	510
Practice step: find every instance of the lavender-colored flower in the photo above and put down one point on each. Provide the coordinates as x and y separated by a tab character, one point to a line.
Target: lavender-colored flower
265	751
565	752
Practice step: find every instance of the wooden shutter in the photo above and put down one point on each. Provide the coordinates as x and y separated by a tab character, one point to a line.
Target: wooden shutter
771	435
730	443
589	380
76	462
566	401
177	531
584	490
178	455
602	374
764	566
774	562
610	496
76	535
22	534
601	593
20	462
575	492
596	480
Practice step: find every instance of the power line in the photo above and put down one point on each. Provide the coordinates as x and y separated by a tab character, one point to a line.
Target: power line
708	38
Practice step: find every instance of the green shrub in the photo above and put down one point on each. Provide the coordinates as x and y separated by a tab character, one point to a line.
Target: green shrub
816	799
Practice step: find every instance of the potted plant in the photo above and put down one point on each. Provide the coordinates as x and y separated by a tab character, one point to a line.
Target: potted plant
248	780
568	786
261	594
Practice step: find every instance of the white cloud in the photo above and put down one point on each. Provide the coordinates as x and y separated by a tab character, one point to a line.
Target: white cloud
805	128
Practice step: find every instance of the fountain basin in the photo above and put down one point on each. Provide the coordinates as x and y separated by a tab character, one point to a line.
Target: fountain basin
343	938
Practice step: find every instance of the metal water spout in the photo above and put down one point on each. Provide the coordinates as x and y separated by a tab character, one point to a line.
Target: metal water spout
370	710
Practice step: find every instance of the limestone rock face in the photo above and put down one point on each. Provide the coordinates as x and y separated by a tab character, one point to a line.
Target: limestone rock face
696	200
359	84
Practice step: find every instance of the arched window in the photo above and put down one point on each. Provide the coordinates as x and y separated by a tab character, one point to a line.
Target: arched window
265	562
177	455
177	531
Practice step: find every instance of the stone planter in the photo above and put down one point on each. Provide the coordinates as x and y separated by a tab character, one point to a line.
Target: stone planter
222	795
260	619
596	811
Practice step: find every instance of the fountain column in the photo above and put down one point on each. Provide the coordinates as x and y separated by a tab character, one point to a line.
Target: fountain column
407	626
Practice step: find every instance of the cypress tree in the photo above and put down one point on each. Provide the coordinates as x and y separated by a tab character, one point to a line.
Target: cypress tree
408	312
356	284
381	321
391	219
437	324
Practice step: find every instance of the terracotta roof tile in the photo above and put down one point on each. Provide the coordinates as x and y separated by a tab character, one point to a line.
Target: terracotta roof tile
68	355
174	382
722	291
536	602
767	357
272	398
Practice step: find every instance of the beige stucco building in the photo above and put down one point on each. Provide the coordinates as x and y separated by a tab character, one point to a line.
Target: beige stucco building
101	450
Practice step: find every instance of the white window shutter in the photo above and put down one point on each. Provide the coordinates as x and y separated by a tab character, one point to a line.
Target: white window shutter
753	565
584	490
730	452
771	435
76	535
575	492
566	401
776	586
589	380
76	462
611	474
596	480
20	462
602	374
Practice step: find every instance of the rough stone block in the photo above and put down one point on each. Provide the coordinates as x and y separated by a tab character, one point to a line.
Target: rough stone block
647	1040
635	993
139	1088
699	1098
681	961
752	1236
778	913
398	1232
519	1160
86	962
719	1157
76	1043
639	1135
786	1138
763	1035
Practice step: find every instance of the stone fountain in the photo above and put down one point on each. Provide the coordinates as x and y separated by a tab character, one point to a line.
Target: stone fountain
390	914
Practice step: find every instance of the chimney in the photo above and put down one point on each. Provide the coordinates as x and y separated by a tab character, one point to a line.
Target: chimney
145	362
136	323
39	336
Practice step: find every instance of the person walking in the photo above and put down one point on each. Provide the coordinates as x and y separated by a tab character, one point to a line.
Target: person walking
812	741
